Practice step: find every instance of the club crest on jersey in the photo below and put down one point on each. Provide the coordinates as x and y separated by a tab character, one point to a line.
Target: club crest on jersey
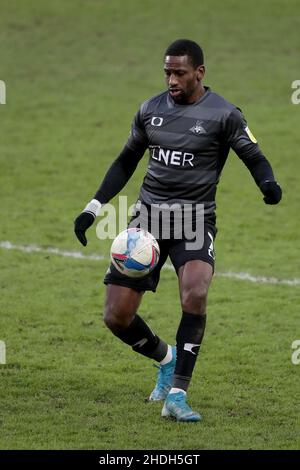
198	128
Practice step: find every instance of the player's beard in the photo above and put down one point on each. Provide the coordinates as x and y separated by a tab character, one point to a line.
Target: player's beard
181	98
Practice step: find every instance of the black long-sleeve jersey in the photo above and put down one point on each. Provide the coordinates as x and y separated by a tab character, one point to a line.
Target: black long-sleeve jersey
188	147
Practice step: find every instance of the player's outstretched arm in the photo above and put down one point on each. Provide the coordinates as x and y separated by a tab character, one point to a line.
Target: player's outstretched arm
114	181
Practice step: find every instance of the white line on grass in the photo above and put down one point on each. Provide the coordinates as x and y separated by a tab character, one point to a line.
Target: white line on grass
78	255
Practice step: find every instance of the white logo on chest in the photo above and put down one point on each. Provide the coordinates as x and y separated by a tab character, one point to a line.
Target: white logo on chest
156	121
172	157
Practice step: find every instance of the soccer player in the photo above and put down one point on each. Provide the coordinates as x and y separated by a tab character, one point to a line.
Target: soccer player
189	130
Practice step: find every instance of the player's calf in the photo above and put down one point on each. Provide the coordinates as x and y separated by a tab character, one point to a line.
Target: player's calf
121	318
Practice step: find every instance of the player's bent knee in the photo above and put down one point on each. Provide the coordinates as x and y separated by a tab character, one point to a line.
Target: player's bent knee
116	320
193	299
114	323
121	304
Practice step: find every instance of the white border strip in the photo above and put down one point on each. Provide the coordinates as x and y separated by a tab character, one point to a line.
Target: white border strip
78	255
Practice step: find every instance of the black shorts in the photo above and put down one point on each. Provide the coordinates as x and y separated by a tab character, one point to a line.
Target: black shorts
177	250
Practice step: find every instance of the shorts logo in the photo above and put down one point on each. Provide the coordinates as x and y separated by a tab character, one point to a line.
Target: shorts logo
156	121
211	252
198	128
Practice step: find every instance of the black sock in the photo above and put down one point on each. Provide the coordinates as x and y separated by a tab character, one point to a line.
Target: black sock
189	337
142	340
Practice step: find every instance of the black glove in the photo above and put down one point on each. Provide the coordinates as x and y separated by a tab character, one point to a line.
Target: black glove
272	192
85	220
82	223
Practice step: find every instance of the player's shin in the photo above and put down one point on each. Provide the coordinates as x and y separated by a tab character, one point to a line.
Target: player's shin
189	337
141	338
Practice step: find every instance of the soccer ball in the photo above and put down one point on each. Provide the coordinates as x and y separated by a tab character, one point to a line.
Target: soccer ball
134	252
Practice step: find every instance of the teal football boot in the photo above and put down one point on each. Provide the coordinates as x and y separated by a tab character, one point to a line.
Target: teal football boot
177	408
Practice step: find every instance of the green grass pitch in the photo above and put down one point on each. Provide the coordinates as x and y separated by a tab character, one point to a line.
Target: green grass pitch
75	74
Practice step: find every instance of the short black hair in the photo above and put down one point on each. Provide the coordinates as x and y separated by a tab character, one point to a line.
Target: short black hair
187	47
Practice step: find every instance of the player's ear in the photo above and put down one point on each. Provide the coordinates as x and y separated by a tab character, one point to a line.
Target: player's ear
200	72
